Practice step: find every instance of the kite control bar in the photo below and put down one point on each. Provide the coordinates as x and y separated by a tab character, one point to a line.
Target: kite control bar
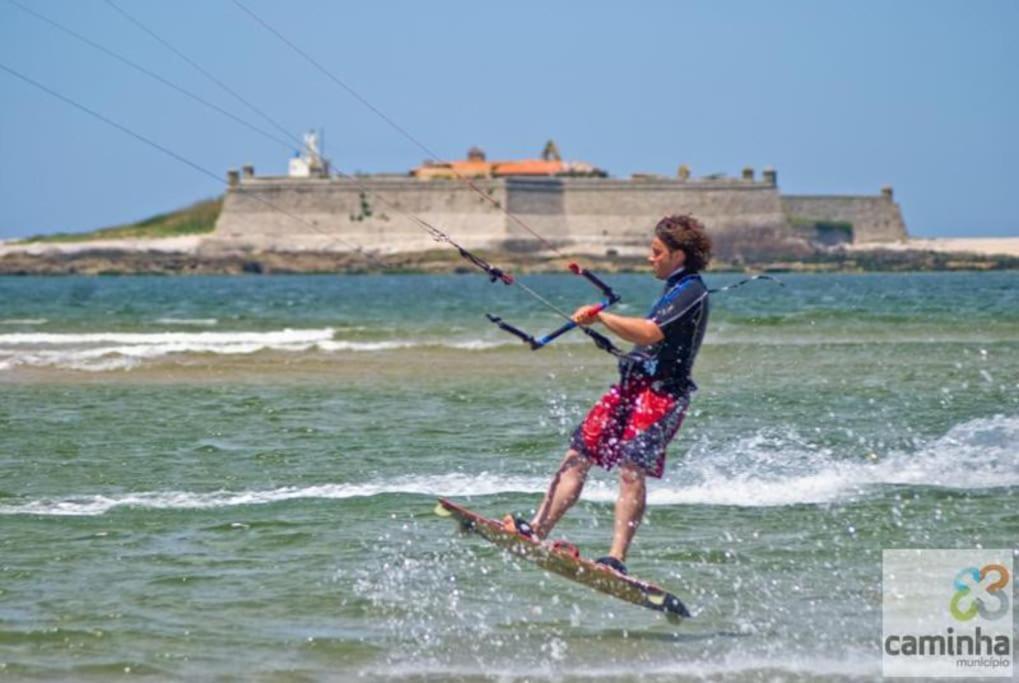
600	340
594	280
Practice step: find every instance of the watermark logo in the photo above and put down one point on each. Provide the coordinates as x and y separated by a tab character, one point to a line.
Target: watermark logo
987	599
947	613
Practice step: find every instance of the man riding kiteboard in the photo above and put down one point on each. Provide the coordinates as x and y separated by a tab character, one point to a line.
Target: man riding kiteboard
633	422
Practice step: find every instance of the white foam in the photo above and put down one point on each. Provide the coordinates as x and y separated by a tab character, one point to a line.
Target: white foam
103	351
446	485
798	337
772	470
762	471
191	322
23	321
735	666
387	345
284	336
481	344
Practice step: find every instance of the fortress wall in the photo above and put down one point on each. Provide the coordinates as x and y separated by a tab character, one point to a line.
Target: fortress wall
874	218
539	203
590	208
746	218
632	208
609	213
368	213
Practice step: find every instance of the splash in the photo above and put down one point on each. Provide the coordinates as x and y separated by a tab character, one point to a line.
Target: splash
760	471
773	469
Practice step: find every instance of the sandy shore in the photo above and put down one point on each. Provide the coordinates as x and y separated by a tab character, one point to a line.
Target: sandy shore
985	246
192	255
186	244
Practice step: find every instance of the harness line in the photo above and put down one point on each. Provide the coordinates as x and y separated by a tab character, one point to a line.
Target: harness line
148	72
169	152
392	123
437	234
494	273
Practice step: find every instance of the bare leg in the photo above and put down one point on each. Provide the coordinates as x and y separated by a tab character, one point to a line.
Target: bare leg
562	493
629	509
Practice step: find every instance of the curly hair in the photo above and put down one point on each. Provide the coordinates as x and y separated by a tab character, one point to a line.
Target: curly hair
686	233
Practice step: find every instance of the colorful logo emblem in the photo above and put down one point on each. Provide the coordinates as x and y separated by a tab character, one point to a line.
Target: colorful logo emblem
976	593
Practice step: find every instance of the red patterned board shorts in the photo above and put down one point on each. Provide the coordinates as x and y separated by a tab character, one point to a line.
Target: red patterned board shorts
633	422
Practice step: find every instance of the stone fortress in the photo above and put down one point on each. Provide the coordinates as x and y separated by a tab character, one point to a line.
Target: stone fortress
575	205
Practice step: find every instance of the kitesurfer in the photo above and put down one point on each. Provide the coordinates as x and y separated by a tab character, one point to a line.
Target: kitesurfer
633	422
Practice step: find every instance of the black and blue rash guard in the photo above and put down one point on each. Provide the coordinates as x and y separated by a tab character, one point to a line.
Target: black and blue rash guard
682	315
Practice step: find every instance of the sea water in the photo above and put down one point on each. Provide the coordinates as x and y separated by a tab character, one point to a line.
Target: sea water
233	478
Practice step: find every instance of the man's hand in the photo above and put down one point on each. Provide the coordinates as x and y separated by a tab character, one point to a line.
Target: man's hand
586	315
636	330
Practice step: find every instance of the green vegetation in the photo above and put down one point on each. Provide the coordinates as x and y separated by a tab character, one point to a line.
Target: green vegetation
196	219
366	208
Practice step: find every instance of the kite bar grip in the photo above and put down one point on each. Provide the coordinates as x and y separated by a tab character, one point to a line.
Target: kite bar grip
596	281
516	332
566	327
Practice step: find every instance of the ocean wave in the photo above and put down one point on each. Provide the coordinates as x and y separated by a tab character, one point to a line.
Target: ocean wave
284	336
481	344
385	345
801	337
853	664
23	321
190	322
777	468
112	351
395	344
760	471
104	351
448	485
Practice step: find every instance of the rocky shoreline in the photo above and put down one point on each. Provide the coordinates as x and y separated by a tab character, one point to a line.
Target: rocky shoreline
105	260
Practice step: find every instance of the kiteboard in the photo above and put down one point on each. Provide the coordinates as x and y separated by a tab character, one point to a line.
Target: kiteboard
564	559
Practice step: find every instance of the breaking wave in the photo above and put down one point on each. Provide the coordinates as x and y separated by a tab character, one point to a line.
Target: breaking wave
112	351
99	351
447	485
855	664
285	336
189	322
775	468
760	471
102	351
23	321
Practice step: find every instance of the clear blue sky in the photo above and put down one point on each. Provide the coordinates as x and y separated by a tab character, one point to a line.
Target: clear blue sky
840	97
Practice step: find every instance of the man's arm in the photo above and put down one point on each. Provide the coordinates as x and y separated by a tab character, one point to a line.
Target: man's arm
635	330
646	331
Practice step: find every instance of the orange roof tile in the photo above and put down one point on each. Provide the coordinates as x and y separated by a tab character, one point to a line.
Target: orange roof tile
528	167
